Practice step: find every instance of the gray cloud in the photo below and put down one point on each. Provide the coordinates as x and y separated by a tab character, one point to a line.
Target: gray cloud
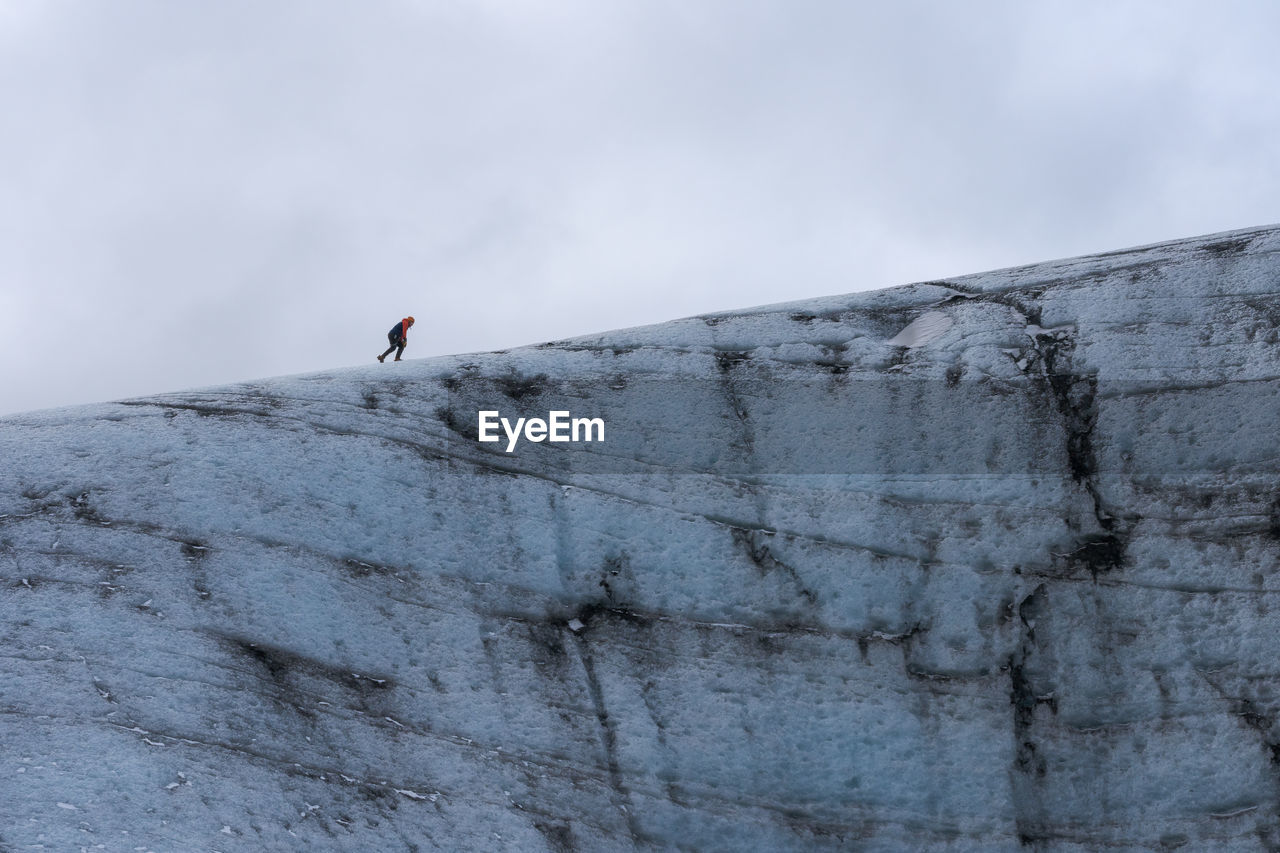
201	193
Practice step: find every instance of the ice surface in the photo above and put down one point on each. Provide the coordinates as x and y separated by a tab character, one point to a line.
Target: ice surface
923	330
1007	581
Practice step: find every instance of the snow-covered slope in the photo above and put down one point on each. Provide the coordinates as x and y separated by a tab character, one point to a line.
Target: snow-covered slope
976	564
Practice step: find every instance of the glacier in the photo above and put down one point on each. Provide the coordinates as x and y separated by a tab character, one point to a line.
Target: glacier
985	563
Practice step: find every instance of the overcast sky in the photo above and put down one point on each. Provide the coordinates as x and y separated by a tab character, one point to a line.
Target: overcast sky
204	192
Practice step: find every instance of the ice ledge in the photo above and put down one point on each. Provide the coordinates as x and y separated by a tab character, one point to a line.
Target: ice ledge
1013	585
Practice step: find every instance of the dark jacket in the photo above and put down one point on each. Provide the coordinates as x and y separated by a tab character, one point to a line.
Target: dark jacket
400	331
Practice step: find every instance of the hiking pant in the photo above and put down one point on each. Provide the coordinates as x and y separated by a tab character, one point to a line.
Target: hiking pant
397	343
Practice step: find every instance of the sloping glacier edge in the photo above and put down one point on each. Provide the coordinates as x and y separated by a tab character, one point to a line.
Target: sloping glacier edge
985	563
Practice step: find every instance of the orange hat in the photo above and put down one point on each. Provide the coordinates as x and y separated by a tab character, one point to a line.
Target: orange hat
410	319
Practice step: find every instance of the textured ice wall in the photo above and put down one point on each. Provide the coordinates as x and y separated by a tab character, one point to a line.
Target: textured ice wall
977	564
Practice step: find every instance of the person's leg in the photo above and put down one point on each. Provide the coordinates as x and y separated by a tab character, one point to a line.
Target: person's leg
391	339
400	350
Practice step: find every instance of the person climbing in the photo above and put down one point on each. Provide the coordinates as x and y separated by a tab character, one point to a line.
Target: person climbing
399	337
